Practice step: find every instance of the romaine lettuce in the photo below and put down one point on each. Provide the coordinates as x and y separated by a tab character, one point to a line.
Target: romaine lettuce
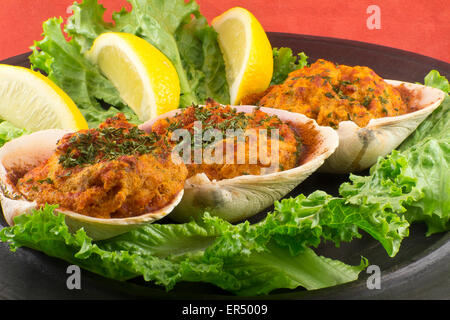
65	65
429	163
435	80
176	28
237	258
428	154
284	62
8	132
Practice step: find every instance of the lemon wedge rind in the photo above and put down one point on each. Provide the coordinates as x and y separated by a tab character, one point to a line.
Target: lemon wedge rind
247	52
145	78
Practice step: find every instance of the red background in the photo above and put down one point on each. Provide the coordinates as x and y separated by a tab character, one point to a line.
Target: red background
418	26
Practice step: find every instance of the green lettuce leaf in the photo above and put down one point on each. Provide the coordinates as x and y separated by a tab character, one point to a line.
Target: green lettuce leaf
303	222
64	64
8	132
47	231
435	80
203	61
284	62
236	258
436	126
240	258
387	184
429	164
86	23
428	156
176	28
414	183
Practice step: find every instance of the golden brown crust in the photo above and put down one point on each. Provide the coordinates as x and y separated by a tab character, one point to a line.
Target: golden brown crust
129	185
332	93
216	116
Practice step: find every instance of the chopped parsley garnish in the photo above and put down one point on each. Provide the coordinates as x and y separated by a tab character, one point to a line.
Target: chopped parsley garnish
382	100
47	180
367	100
108	143
228	121
345	82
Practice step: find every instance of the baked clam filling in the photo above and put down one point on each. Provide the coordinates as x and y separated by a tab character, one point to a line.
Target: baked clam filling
241	144
113	171
331	93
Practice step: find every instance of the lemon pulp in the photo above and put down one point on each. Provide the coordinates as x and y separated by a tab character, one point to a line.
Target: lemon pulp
33	102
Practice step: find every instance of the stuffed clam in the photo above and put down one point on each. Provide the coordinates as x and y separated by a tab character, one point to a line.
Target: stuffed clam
247	158
372	116
107	180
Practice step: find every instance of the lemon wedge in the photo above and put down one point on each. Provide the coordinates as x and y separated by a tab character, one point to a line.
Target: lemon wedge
145	78
33	102
247	52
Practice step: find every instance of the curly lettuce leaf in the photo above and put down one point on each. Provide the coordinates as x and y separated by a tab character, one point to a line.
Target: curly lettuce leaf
436	126
414	183
435	80
47	231
428	156
302	222
211	251
176	28
8	132
391	187
86	23
203	61
388	184
65	65
238	258
429	163
284	62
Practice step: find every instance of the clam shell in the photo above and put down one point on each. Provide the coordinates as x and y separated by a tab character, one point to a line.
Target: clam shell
244	196
359	148
22	154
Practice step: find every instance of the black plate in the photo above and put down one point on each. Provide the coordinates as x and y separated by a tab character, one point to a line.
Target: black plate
419	271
